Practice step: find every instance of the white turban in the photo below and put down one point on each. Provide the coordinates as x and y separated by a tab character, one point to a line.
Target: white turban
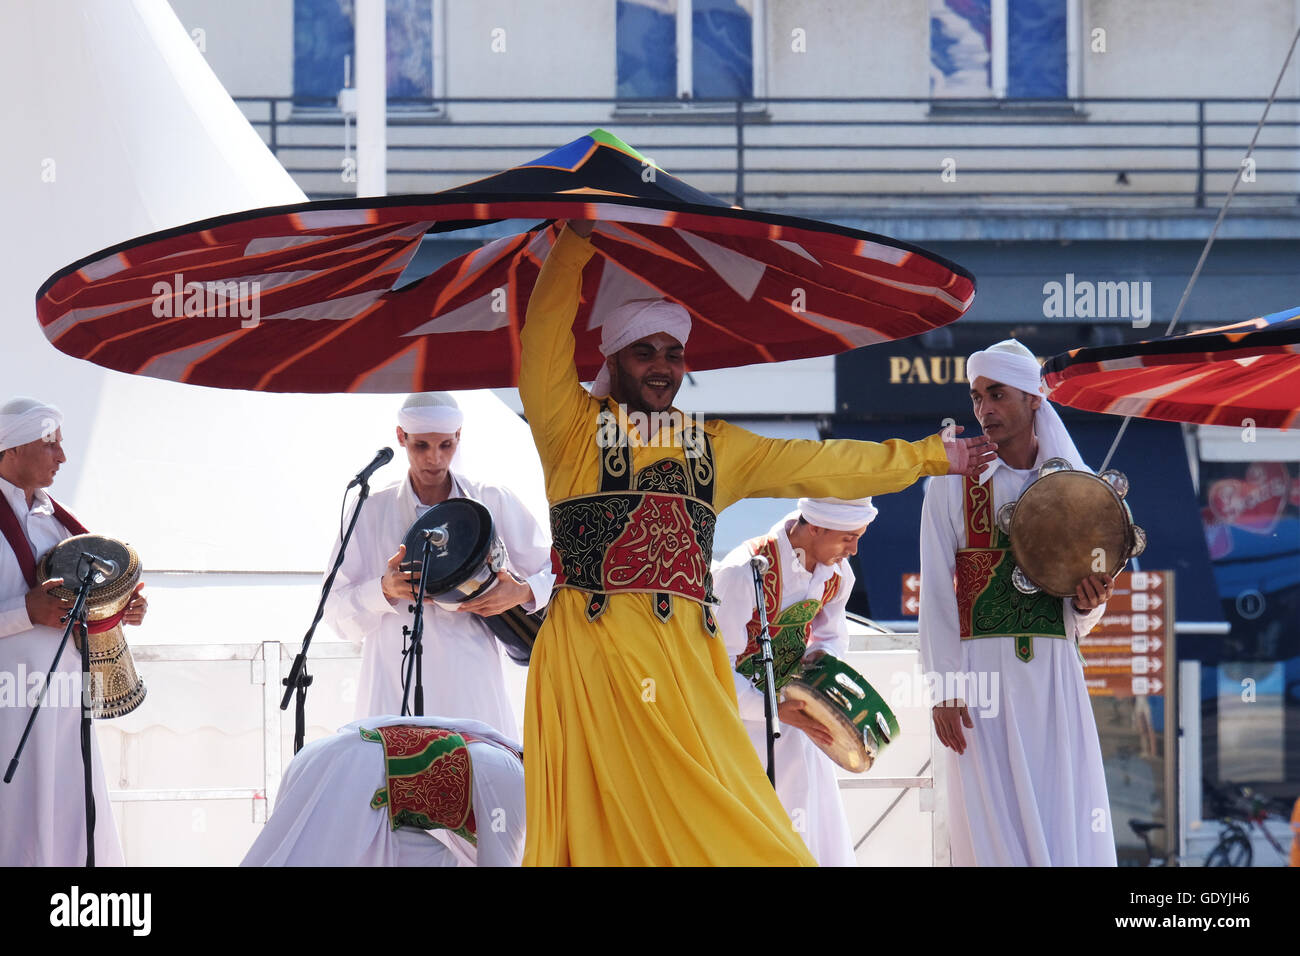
636	320
24	420
838	514
1010	363
426	412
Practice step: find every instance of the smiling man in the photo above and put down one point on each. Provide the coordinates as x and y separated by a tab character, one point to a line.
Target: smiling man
369	604
42	811
635	752
806	590
1024	775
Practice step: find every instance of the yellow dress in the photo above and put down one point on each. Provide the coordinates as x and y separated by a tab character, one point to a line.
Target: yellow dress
635	752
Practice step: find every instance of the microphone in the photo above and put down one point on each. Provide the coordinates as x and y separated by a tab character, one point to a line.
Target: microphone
382	457
760	563
438	536
101	566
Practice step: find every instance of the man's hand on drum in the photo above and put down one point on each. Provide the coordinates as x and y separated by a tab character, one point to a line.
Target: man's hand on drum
968	456
507	593
43	607
791	712
136	607
948	720
400	585
1092	592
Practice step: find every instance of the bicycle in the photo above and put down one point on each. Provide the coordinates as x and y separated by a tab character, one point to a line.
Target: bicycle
1239	810
1144	827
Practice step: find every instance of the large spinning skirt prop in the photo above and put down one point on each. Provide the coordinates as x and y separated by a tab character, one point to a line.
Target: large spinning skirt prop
1248	373
307	298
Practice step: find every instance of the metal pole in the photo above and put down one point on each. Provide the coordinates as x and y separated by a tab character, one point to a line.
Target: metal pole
1200	154
740	152
372	99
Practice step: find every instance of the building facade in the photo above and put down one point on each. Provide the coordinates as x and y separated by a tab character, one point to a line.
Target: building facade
1046	145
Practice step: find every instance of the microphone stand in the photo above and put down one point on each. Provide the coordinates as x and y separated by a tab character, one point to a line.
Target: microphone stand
76	618
299	680
765	649
416	633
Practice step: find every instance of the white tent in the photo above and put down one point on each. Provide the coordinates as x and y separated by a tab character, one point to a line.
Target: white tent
116	127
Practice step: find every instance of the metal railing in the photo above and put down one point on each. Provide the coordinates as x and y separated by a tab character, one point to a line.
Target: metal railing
279	655
269	661
805	153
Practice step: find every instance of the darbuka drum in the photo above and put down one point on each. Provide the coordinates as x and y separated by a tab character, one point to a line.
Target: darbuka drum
840	699
116	688
463	564
1067	525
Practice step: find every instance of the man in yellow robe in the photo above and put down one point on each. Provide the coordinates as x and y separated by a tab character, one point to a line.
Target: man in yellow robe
635	752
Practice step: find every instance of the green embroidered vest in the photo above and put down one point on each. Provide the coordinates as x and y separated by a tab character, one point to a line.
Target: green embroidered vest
988	604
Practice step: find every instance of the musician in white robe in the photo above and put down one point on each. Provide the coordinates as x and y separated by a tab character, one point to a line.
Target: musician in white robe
325	813
807	552
1025	783
462	660
42	810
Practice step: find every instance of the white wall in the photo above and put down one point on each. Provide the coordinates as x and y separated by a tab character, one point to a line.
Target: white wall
1189	47
551	49
248	43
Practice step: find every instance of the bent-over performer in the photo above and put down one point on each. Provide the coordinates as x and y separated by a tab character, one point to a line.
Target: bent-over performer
399	791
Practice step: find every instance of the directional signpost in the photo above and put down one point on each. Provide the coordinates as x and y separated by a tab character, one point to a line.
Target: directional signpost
1130	653
911	594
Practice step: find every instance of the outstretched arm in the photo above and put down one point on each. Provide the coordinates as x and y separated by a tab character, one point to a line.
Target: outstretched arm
757	467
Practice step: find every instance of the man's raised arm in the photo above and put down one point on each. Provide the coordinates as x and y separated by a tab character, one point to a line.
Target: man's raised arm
548	381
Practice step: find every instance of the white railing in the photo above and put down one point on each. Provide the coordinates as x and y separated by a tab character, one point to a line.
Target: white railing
275	722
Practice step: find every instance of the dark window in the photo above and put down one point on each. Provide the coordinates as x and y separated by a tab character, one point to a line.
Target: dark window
323	41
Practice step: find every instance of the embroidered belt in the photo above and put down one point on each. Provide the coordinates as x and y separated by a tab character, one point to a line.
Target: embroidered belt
636	541
429	779
648	531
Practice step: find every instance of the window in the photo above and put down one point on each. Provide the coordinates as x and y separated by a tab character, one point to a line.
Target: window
324	53
1003	49
689	49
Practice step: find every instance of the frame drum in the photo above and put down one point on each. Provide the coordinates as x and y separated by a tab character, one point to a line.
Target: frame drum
1067	525
841	700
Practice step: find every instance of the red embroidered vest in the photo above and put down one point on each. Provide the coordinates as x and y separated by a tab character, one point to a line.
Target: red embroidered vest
649	532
